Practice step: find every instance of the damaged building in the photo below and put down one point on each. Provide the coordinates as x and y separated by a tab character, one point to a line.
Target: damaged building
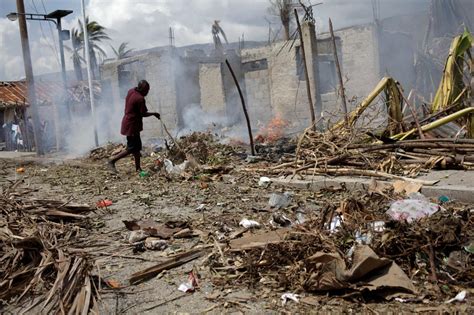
272	75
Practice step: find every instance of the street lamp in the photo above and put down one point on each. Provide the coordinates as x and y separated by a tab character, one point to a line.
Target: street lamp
54	17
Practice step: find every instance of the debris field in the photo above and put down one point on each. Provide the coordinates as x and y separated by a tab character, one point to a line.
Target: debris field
215	235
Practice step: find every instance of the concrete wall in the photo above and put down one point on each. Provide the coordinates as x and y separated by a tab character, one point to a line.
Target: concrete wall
212	88
359	56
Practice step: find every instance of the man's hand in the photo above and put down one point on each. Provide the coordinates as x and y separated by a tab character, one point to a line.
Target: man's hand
157	115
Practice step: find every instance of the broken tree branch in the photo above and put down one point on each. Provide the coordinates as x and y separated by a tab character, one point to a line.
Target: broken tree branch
252	148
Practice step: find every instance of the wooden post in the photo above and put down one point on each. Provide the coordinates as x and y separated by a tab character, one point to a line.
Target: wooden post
252	148
308	87
339	73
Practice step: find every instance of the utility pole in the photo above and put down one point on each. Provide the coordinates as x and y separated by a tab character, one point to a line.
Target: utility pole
30	83
89	72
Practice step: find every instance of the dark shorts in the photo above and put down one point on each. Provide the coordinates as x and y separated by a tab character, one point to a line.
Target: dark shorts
134	143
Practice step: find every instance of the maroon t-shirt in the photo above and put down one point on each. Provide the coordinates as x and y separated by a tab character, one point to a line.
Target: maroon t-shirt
135	108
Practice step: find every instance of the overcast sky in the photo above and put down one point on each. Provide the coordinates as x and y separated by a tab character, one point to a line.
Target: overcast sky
145	23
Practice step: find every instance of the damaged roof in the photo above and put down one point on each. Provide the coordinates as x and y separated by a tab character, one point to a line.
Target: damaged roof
15	93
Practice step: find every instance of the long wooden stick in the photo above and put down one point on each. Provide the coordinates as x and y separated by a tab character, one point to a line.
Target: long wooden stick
169	135
339	74
176	261
308	86
252	148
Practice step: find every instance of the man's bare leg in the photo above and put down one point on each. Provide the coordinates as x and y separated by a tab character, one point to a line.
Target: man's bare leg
111	163
137	155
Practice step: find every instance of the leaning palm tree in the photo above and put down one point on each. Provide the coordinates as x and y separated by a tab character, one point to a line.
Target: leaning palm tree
96	34
122	52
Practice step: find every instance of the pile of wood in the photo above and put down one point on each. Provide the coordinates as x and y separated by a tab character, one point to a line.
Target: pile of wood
37	273
361	154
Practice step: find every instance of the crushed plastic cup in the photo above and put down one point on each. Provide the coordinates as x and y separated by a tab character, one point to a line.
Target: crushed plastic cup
20	170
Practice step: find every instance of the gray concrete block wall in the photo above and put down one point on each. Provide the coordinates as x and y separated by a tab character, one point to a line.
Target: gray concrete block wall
212	88
160	73
359	60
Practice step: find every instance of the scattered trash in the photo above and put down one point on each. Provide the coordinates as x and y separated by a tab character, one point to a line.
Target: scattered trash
143	174
377	226
190	285
20	170
281	220
264	181
137	236
201	207
104	203
175	169
413	208
335	224
443	199
285	297
460	297
248	224
280	201
155	243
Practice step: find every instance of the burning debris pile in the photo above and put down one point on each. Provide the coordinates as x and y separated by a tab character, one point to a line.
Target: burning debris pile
353	244
38	270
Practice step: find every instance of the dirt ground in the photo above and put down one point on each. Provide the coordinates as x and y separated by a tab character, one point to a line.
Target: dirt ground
228	198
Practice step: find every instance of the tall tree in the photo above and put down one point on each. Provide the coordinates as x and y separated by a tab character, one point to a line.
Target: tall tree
122	51
282	9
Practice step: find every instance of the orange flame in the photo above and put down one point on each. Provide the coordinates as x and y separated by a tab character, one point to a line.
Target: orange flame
273	131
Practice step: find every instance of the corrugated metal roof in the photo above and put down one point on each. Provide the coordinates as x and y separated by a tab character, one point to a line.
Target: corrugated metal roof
15	93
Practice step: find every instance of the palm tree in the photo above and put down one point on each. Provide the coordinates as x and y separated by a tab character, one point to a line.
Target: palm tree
122	52
76	53
96	34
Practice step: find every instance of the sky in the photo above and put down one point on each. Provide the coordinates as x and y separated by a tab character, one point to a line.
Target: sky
145	23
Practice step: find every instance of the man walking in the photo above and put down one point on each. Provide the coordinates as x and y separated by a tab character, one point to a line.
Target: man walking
132	124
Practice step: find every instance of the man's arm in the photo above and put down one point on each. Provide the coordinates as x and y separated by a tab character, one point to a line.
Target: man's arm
148	114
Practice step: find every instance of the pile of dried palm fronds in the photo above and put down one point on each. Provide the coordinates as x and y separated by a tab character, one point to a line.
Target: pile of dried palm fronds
37	274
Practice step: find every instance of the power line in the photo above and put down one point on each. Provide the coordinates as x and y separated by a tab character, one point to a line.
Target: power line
52	46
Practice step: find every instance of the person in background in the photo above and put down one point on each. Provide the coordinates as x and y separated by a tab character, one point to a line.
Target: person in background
132	124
